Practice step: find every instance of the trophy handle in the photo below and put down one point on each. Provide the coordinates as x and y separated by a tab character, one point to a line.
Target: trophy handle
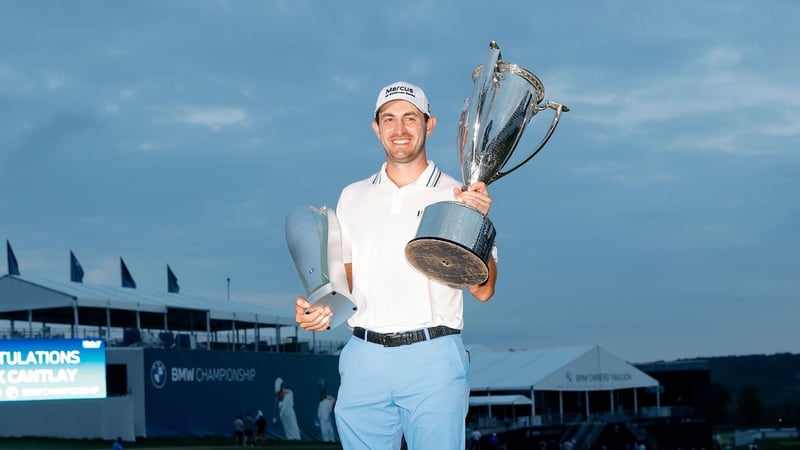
559	108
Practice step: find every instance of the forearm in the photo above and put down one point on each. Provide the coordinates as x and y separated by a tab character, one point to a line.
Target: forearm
485	290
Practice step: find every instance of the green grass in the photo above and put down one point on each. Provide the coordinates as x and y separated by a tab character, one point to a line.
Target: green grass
187	443
773	444
778	444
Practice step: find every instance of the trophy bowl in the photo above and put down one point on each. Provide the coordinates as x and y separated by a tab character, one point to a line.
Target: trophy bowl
454	241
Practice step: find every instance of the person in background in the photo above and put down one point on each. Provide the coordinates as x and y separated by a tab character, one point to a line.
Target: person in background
117	444
494	441
475	439
249	430
261	427
404	372
238	431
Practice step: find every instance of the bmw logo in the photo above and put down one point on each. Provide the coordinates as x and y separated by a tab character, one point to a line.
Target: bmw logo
158	374
12	393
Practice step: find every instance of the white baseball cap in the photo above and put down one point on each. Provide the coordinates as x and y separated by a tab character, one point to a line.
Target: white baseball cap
401	90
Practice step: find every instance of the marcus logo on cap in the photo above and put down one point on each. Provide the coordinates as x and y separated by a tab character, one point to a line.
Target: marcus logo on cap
401	90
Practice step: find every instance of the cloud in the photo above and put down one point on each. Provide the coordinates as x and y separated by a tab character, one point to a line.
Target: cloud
50	135
53	80
717	101
103	270
790	126
213	118
720	57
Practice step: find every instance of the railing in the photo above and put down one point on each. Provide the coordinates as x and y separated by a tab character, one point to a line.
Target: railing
223	341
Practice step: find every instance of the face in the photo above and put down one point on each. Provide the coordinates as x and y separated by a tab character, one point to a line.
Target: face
402	129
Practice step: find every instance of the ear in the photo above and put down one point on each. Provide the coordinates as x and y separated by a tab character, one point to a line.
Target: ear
430	125
375	128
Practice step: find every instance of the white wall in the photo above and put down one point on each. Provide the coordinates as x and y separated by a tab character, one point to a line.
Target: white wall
133	358
76	419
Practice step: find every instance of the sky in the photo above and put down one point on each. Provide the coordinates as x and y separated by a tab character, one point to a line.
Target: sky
660	221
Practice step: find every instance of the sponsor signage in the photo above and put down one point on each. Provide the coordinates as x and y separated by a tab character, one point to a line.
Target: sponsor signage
52	369
578	378
191	392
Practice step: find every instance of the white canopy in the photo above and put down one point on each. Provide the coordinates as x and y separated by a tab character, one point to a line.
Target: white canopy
589	368
55	302
493	400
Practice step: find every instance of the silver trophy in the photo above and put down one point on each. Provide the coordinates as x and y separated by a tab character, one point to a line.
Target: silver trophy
314	239
454	241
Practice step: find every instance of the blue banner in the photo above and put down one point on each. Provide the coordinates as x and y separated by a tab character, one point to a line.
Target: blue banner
213	388
13	267
127	279
172	282
75	269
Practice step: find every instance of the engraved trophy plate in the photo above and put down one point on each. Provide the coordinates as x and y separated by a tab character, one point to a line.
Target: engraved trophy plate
454	241
315	245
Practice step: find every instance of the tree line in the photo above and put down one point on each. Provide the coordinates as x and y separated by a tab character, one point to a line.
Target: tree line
755	390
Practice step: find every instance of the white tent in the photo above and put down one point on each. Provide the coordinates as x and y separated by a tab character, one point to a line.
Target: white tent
581	369
489	400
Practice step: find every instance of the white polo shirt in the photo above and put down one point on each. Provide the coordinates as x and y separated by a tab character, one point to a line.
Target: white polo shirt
378	219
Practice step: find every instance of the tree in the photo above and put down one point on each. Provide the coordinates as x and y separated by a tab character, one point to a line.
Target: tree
720	396
750	410
787	414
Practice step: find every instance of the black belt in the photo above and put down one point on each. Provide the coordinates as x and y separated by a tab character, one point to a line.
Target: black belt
403	338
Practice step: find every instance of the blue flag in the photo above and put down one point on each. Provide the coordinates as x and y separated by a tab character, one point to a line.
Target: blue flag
13	267
127	279
172	282
75	269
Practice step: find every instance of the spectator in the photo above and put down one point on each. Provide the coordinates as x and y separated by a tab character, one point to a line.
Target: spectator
475	440
261	427
238	431
249	430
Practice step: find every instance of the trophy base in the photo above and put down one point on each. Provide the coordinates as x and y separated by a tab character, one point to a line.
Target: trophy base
446	261
453	244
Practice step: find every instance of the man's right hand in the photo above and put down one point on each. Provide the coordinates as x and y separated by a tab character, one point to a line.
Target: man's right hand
312	318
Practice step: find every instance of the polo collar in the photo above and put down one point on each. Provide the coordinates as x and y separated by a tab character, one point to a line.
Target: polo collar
429	178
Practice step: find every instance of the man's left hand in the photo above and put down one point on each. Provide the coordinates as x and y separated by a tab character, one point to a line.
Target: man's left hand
476	196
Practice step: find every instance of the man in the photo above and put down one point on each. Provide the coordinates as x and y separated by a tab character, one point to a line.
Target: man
249	430
475	439
261	427
238	431
404	372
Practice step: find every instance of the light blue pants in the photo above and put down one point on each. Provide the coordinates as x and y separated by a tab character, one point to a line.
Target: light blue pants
420	391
